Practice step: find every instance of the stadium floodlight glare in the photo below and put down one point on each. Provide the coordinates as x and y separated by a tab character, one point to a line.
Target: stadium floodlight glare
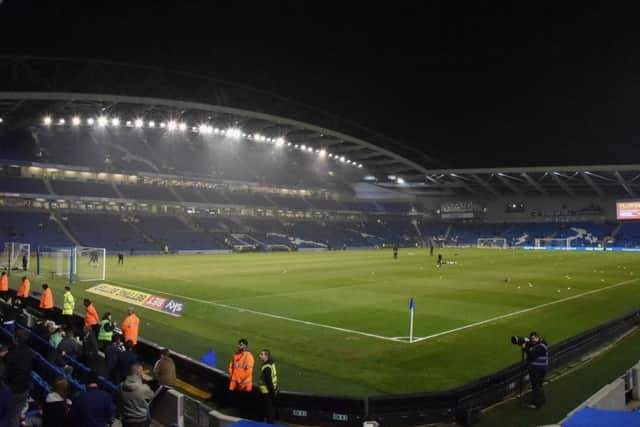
61	121
138	123
392	177
75	121
330	155
310	149
400	180
182	126
102	121
172	125
1	120
90	121
234	133
322	153
151	124
343	159
289	144
47	120
115	122
163	124
280	142
303	147
359	165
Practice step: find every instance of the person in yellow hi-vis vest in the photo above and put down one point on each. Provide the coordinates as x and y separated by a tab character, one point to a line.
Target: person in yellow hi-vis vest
68	305
268	385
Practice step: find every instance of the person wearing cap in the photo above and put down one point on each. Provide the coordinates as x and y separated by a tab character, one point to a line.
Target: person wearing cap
537	352
130	326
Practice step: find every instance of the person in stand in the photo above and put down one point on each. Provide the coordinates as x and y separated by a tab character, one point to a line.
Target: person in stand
46	301
4	286
268	385
55	411
24	289
93	407
89	348
537	352
126	360
134	398
105	334
130	326
68	305
395	251
91	318
111	354
120	258
25	262
164	371
241	375
17	375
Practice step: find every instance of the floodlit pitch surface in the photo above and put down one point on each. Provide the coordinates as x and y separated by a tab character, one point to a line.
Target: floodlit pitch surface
338	322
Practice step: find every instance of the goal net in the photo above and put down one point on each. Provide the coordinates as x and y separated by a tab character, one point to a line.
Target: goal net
15	256
552	243
79	263
492	242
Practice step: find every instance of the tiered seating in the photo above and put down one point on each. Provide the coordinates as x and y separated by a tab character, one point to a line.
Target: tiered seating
628	235
146	192
31	227
468	234
88	189
396	207
290	202
176	235
107	231
190	194
249	199
10	184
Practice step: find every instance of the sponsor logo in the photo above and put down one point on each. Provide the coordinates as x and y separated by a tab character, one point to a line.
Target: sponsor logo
143	299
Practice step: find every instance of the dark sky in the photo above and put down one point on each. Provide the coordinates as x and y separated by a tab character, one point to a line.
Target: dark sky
474	84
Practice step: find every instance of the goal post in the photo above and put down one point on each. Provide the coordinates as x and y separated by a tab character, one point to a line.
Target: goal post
76	263
13	256
548	242
492	242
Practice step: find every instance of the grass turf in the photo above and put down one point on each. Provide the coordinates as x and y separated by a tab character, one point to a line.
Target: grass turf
368	291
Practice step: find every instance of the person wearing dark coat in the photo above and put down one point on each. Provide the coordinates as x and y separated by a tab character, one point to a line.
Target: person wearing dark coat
69	345
55	412
18	363
89	348
111	354
6	403
126	360
92	408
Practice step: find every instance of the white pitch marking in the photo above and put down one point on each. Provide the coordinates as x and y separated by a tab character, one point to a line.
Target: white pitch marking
526	310
261	313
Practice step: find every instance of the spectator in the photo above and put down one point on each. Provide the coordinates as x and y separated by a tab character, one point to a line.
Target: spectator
164	371
89	348
70	345
111	354
56	337
18	374
41	329
6	403
130	326
134	398
126	359
91	318
92	408
105	335
55	412
3	352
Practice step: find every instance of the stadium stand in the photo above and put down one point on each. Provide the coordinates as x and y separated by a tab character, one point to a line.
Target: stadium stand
87	189
107	231
177	235
146	192
34	227
9	184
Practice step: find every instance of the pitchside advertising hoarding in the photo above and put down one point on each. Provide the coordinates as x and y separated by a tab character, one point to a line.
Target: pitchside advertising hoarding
628	210
164	305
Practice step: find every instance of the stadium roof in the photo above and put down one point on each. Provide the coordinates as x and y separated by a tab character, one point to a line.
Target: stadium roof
33	87
622	181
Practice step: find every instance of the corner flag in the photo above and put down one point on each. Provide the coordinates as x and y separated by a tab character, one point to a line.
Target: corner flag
412	308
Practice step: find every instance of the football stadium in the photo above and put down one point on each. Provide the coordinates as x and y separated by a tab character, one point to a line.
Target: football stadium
386	286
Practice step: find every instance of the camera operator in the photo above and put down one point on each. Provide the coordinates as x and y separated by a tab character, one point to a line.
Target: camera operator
537	363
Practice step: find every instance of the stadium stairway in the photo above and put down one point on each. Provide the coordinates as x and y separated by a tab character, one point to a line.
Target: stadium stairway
65	229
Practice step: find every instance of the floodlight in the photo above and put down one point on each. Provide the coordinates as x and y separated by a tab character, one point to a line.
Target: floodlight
90	121
360	165
289	144
392	177
172	125
343	159
115	121
47	120
280	142
234	133
182	126
400	180
75	121
330	155
1	120
151	124
162	124
138	123
303	147
61	121
202	128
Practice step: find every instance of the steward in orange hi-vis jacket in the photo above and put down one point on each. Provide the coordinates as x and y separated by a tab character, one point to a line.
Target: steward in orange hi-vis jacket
24	288
46	298
241	368
130	326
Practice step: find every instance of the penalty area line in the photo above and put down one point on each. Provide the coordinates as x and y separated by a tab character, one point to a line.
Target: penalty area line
526	310
261	313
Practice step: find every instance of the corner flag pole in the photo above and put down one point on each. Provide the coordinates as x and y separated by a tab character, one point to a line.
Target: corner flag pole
412	308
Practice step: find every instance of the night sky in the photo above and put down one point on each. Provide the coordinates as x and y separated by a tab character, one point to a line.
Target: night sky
476	84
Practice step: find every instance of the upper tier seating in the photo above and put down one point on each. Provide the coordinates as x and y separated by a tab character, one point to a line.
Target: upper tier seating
34	228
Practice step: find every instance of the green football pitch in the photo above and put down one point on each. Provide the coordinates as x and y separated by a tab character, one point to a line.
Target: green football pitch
338	322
